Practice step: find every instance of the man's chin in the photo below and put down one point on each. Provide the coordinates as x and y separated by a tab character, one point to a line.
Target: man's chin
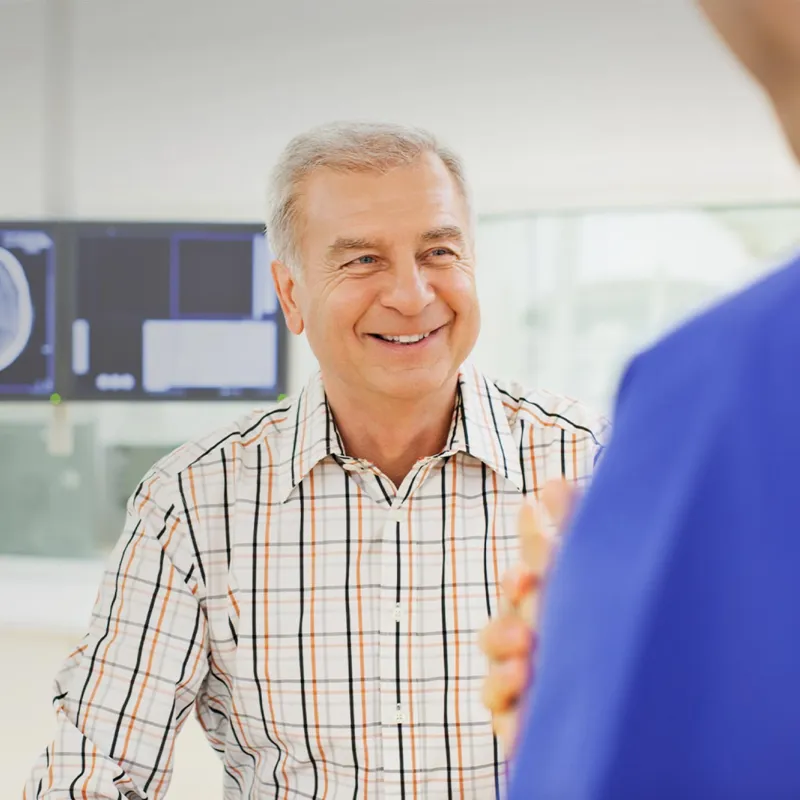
413	384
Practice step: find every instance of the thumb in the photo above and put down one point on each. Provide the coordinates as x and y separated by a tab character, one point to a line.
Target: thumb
558	498
534	543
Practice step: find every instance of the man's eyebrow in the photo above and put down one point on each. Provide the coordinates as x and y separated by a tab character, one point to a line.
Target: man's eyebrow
346	244
444	232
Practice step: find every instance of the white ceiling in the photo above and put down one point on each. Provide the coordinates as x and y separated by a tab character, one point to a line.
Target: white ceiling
575	102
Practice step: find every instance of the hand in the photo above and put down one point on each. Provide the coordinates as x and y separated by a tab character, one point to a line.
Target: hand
509	638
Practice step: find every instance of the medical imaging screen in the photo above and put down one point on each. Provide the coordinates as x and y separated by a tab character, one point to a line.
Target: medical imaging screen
177	314
27	313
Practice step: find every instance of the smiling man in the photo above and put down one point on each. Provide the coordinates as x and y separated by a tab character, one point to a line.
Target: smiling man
387	299
312	579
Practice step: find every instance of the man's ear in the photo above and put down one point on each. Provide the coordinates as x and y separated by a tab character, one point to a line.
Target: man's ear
285	288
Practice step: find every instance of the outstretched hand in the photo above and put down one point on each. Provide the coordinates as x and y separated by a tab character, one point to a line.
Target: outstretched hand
509	639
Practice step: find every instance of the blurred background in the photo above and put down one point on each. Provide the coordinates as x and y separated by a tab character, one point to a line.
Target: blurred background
626	174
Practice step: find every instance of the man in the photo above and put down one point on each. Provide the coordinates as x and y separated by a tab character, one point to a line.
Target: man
669	659
312	579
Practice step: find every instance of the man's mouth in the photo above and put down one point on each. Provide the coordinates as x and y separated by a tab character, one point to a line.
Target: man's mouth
412	338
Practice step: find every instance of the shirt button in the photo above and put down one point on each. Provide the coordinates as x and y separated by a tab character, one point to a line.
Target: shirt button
399	716
397	613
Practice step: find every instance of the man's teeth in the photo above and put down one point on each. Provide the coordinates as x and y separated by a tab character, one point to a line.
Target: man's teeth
418	337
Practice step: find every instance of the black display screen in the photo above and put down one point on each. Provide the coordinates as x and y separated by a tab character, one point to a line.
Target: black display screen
168	312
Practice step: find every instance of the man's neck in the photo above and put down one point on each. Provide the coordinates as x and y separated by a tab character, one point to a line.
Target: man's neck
392	435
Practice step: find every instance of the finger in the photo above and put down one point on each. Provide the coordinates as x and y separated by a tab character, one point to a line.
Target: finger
558	498
505	729
535	545
516	583
506	637
528	609
504	684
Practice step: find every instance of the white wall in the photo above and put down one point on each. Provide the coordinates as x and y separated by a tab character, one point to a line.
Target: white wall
22	110
179	106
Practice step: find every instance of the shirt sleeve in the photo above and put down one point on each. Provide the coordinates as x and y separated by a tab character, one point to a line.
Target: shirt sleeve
669	658
124	693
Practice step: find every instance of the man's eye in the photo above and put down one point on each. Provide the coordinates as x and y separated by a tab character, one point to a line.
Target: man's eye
439	252
364	261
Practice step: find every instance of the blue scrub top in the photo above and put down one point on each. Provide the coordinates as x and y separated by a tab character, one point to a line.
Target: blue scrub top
669	663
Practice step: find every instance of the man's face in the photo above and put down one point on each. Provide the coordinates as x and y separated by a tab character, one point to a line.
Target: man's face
385	257
765	36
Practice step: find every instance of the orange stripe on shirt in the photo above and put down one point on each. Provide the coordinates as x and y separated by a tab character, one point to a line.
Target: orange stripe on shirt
190	473
359	508
410	646
270	423
303	427
312	628
146	499
532	440
85	789
149	671
456	644
231	596
267	531
545	423
101	671
497	576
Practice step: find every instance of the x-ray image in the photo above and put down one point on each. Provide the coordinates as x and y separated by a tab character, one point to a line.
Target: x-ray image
16	309
27	265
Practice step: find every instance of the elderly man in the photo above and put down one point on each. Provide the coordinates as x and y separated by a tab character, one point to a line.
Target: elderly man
669	659
312	579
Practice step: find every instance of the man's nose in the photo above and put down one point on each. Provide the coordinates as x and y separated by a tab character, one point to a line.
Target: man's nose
409	291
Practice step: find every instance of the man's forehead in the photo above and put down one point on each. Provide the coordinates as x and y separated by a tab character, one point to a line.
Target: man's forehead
328	192
374	222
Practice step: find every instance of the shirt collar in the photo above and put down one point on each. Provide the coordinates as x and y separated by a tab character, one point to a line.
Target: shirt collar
480	428
310	436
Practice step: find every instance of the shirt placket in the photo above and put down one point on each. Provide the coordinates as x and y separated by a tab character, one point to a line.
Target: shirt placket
392	517
395	699
393	713
386	516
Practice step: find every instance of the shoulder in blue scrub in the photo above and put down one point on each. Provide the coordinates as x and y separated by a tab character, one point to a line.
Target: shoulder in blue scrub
669	664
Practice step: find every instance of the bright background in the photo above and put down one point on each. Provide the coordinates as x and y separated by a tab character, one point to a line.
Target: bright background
626	174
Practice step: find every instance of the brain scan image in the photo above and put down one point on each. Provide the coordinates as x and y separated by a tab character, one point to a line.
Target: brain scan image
27	313
16	309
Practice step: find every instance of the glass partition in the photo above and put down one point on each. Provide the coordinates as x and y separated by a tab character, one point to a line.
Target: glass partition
573	296
66	472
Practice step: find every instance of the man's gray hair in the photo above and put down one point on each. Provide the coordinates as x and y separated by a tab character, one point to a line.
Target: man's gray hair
345	147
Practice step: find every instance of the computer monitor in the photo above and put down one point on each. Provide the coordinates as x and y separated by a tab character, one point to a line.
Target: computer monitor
174	312
27	311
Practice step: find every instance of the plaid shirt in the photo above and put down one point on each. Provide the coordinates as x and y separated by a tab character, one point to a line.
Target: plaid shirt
322	623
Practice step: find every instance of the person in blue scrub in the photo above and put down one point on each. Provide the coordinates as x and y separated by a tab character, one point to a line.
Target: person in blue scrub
668	658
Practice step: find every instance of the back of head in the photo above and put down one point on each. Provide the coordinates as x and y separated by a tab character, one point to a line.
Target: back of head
343	147
765	36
